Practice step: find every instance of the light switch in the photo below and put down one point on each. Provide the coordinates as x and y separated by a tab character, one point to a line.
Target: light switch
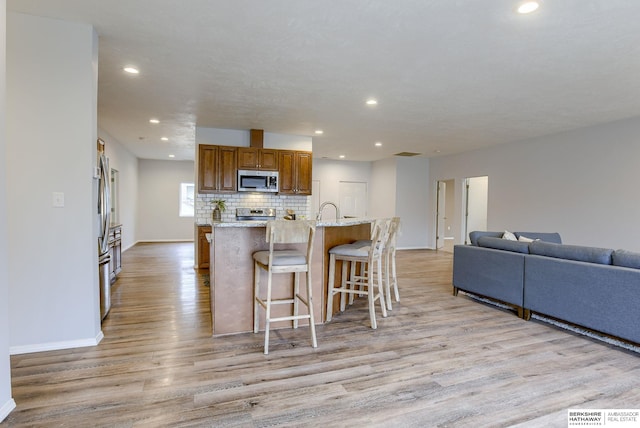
58	199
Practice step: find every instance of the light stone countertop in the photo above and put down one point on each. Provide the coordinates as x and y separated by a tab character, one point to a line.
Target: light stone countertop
321	223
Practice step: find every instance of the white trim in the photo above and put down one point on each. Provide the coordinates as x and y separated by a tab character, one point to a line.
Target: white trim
6	409
164	240
130	246
56	346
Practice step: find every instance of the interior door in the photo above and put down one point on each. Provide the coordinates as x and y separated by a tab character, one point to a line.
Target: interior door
476	203
353	199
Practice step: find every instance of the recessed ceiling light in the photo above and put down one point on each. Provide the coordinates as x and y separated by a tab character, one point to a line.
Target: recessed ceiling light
164	139
172	156
131	70
319	131
341	156
528	7
372	102
154	121
378	144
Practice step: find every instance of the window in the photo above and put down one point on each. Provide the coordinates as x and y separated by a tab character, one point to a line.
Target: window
187	199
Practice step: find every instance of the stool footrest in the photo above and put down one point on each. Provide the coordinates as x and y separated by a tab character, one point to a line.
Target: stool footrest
290	318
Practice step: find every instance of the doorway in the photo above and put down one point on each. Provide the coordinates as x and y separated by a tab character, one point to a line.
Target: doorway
476	197
445	233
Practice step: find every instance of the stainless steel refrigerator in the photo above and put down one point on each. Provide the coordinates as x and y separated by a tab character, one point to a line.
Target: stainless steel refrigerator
104	215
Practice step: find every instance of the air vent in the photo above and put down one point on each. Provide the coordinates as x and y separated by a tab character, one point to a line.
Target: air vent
407	154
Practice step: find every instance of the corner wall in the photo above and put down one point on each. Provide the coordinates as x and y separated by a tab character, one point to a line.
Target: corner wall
7	404
412	203
126	163
51	142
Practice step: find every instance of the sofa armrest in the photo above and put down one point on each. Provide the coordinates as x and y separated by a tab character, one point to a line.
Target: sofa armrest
493	273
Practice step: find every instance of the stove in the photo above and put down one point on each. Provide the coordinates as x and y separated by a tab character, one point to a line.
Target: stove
255	214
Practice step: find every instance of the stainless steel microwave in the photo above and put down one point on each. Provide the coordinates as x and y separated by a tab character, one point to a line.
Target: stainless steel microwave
257	181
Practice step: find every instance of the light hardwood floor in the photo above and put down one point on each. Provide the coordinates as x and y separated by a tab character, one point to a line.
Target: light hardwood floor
437	360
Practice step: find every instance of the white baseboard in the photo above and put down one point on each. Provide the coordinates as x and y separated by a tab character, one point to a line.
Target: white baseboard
56	346
155	241
164	240
415	248
6	409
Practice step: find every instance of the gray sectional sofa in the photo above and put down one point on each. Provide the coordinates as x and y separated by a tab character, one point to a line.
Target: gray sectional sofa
595	288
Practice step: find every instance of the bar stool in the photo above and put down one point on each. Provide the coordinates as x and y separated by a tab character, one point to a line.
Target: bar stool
389	262
365	283
285	261
390	277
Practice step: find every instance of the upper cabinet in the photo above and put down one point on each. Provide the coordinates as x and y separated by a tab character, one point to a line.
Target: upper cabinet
217	169
255	158
295	172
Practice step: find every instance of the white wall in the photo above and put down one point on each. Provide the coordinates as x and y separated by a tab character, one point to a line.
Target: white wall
6	402
449	208
382	197
51	142
412	203
126	163
159	200
582	184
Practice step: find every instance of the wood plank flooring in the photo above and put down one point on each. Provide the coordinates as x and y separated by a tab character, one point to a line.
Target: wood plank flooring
436	361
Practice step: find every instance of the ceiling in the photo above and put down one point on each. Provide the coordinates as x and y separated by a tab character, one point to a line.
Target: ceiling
449	75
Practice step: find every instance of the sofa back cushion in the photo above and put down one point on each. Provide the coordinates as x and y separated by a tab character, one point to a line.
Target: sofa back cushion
543	236
503	244
572	252
626	258
480	233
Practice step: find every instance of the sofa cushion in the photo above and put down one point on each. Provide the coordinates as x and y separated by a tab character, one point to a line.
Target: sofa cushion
473	236
543	236
626	259
509	236
572	252
503	244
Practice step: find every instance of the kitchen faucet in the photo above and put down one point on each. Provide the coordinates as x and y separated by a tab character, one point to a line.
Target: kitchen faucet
322	207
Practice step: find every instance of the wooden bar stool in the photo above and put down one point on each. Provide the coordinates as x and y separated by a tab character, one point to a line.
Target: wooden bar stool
285	261
369	282
390	277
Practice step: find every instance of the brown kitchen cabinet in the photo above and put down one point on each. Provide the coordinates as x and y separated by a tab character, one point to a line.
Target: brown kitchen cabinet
115	251
217	169
203	247
259	159
294	172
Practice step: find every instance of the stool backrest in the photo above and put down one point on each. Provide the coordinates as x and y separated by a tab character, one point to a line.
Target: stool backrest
394	225
379	236
291	232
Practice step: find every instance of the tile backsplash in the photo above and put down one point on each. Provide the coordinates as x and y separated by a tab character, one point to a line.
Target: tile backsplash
300	204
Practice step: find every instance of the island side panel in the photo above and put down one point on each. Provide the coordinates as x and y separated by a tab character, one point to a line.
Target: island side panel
339	235
232	280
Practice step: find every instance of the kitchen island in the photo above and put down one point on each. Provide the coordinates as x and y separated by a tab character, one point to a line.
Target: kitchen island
232	245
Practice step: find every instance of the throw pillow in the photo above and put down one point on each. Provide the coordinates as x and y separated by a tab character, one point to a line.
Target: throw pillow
525	239
509	236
